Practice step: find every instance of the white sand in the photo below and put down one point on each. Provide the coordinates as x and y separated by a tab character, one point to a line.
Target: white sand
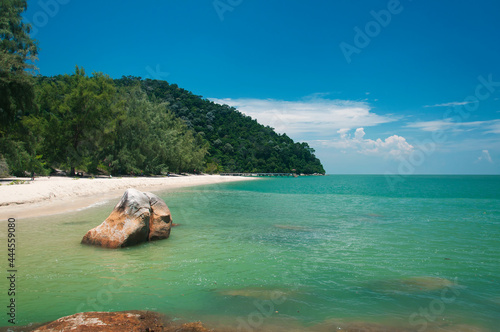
45	196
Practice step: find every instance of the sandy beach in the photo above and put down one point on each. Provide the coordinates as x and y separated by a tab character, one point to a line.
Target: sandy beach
52	195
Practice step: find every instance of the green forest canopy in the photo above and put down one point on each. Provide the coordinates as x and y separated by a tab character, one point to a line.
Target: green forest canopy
237	143
134	126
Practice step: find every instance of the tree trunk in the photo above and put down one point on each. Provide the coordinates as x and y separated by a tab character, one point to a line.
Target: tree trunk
72	172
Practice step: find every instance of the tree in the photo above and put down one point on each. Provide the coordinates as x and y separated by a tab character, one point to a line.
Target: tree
17	55
151	140
80	112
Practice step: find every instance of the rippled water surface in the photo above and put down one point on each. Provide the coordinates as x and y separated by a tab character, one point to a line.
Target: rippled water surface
417	253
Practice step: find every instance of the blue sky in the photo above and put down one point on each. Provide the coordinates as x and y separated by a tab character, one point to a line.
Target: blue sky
403	87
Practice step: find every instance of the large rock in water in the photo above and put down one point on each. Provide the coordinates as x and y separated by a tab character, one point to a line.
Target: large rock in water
137	218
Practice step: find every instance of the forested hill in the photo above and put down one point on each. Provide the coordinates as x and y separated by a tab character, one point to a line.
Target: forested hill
237	143
97	125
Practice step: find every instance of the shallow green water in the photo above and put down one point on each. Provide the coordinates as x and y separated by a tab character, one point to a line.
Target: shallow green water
296	251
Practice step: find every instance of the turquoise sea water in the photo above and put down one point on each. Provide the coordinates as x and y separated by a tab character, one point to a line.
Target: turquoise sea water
420	253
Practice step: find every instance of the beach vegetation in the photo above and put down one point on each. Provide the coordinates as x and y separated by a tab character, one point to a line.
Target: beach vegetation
150	139
79	113
14	182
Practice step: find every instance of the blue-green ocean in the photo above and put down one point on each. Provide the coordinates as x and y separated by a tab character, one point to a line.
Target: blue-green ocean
416	253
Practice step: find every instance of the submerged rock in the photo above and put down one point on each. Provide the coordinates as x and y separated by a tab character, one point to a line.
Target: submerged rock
137	218
427	283
412	284
257	293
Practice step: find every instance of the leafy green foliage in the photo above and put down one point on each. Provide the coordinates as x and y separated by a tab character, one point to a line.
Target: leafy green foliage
79	111
237	142
89	124
151	140
17	53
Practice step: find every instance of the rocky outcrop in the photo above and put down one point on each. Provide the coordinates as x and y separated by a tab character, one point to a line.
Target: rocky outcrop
105	321
134	321
137	218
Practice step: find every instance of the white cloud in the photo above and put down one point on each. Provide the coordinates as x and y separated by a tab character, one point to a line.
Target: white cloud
314	115
493	127
432	125
451	104
489	127
485	155
394	146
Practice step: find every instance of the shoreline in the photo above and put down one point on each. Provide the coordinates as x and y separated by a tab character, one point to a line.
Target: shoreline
54	195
